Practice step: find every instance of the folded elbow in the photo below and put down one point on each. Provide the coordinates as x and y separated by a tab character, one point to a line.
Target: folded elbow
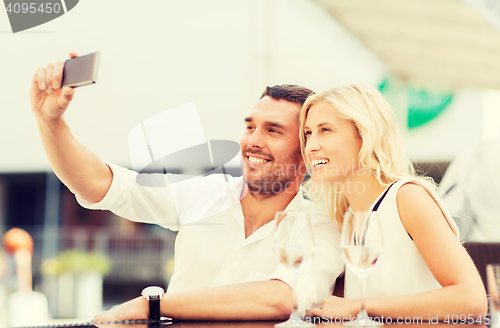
480	307
284	309
283	304
476	304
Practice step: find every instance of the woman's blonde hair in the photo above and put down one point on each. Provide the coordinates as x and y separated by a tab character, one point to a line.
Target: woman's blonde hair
382	152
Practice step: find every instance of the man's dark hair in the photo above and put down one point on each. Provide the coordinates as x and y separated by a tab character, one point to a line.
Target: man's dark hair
289	92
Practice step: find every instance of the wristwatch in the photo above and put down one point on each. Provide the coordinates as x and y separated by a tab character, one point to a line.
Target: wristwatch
153	294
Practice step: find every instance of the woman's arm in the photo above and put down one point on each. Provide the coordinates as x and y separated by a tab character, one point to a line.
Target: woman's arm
463	291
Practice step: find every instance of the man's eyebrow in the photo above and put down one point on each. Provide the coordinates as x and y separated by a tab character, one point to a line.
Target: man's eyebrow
275	124
267	123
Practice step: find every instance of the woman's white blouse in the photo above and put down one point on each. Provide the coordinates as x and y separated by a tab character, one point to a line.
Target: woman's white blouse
401	270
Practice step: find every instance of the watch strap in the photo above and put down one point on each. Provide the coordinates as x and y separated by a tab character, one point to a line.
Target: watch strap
154	307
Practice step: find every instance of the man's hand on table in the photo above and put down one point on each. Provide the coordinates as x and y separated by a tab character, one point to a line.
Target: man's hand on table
136	309
254	301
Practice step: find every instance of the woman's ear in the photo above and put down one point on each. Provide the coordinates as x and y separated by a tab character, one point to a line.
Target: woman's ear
357	134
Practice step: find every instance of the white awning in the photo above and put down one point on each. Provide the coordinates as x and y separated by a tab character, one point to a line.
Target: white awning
433	43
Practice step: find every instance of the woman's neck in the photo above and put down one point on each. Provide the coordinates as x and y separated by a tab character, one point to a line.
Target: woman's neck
362	191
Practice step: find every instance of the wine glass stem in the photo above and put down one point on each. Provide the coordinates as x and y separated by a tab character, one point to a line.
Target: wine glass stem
362	281
295	308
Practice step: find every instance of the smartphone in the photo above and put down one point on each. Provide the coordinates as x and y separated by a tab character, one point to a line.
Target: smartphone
80	71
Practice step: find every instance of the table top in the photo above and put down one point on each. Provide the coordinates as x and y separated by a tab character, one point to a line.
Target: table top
245	324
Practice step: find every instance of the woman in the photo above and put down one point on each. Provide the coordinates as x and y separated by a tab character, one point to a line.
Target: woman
354	152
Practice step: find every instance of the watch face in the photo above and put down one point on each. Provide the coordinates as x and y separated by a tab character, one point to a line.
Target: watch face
152	291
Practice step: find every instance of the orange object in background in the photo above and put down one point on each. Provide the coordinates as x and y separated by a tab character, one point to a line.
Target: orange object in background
16	239
20	244
25	307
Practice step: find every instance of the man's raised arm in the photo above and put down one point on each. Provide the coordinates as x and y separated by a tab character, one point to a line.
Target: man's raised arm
77	167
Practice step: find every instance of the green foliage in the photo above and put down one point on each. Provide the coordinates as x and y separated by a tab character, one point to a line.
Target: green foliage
73	261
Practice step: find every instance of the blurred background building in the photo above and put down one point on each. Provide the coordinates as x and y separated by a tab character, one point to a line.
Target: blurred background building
435	60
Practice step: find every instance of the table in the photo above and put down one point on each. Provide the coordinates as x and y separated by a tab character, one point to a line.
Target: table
244	324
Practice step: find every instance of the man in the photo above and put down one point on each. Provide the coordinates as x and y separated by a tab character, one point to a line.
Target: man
225	268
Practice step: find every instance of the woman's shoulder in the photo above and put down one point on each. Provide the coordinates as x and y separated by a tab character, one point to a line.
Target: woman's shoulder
413	198
419	204
413	181
412	191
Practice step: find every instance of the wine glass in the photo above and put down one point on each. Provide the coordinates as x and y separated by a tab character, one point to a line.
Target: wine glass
362	246
294	247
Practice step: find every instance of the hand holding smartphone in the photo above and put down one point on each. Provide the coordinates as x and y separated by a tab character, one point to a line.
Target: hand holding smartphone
52	87
80	71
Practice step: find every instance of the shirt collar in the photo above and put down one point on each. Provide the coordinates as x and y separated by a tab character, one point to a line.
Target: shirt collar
297	203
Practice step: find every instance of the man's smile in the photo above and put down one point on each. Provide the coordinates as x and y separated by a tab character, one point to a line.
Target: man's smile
256	160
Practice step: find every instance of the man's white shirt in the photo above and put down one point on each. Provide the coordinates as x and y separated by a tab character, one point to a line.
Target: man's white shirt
210	248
